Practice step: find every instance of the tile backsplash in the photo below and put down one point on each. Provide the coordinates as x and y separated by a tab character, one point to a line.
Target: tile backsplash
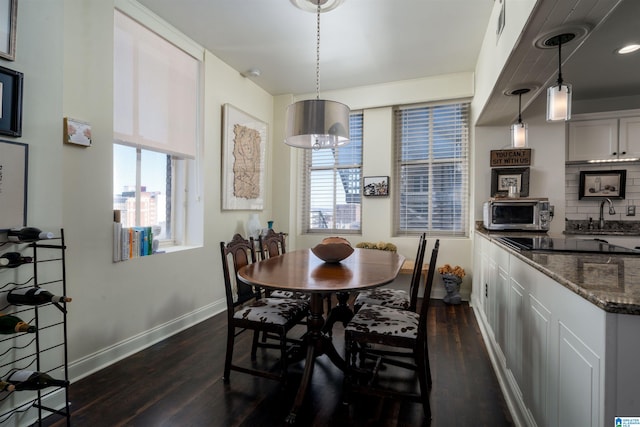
582	210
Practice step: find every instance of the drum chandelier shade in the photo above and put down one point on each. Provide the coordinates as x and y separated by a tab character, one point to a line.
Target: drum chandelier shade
519	130
317	123
559	95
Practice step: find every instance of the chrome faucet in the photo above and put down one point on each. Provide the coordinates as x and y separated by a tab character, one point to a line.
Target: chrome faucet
612	211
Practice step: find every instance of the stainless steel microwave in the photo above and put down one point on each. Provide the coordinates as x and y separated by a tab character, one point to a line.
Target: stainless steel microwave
525	214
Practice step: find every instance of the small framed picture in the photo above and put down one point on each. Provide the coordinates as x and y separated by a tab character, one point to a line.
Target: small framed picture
11	106
377	186
77	132
599	184
8	17
503	178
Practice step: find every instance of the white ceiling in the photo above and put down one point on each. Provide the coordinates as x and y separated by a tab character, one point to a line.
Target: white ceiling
367	42
362	42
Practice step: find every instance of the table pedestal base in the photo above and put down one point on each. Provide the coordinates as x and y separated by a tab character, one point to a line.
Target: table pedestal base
317	343
339	313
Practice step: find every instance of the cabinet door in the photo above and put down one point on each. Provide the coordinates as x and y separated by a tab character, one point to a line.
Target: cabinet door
593	140
629	137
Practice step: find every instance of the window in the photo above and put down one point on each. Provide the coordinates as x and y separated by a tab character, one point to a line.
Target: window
156	104
431	169
332	180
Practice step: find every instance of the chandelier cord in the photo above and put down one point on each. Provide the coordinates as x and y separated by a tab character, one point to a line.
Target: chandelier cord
318	53
559	62
520	108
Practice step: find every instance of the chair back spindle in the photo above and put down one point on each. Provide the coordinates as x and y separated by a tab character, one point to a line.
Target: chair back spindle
237	253
426	296
417	273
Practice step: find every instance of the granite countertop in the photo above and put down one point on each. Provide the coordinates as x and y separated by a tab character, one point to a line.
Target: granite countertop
611	282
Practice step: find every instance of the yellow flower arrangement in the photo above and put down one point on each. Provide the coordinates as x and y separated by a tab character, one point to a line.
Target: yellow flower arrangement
381	246
456	271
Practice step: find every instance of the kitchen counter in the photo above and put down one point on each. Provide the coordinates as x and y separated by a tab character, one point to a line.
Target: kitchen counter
611	282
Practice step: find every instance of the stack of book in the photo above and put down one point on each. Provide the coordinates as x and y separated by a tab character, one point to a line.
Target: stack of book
131	242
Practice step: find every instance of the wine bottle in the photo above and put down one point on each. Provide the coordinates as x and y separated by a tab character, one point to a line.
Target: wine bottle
5	386
28	234
33	296
32	380
13	260
10	324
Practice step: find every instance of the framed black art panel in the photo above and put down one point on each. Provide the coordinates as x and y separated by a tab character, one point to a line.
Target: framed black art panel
503	178
599	184
11	107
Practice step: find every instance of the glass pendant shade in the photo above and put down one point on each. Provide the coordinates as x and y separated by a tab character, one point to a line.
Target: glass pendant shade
519	135
316	124
559	102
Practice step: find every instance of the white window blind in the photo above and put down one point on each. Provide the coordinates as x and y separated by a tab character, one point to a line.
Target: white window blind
331	191
432	169
155	91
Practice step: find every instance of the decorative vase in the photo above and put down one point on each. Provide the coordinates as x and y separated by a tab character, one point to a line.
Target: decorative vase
452	286
253	226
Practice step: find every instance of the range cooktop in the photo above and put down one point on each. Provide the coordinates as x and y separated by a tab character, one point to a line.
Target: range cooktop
552	244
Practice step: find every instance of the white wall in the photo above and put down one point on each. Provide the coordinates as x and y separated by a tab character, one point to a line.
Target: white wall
118	307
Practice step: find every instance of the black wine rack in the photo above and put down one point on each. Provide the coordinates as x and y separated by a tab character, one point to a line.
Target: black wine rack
42	351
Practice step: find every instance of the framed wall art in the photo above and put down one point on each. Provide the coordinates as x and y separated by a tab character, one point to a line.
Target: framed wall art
77	132
503	178
244	141
8	18
599	184
14	159
377	186
11	106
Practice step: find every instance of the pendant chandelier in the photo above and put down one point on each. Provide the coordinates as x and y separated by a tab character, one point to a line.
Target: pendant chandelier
559	95
519	130
317	123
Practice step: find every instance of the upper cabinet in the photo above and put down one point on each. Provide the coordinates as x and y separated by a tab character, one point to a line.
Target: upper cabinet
603	139
629	134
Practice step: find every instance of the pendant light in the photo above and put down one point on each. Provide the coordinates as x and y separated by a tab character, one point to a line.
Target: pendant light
317	123
559	95
519	130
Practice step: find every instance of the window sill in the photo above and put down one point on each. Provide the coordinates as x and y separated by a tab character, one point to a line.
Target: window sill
171	249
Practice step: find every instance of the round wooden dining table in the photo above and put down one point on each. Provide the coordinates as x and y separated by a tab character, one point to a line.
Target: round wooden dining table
302	271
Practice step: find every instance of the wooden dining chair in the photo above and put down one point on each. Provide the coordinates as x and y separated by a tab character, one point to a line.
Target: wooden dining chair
248	310
401	337
270	245
397	298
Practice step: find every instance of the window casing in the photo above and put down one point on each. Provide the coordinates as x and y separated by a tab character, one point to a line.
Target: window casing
331	190
431	176
156	104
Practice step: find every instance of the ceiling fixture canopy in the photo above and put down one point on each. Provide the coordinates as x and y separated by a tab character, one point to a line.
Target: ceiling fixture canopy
317	123
519	137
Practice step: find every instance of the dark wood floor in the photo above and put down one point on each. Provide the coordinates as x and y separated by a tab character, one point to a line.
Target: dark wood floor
178	383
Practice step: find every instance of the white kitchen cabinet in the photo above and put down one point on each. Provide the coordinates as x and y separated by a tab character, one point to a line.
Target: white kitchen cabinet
629	137
603	139
592	140
548	344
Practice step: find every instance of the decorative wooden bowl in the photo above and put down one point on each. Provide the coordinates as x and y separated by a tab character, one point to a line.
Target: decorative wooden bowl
333	249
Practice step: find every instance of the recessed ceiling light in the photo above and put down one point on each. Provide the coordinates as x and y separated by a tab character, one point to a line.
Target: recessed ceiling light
630	48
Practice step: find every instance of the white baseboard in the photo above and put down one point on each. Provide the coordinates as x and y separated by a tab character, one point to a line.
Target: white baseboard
89	364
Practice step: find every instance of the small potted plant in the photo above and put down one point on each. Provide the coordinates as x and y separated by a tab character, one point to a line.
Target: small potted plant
452	277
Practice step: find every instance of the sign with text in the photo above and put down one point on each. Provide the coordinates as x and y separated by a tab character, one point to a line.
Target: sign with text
511	157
